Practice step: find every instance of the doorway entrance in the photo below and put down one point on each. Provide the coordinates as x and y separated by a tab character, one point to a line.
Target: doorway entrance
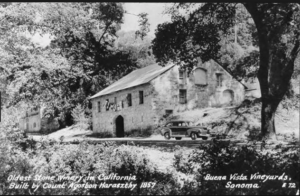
120	126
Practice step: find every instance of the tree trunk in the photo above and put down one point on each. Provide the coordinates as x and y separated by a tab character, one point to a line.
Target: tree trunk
268	110
276	66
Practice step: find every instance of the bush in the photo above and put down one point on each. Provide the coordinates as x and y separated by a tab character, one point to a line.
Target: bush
220	159
131	160
80	119
103	134
51	158
139	132
181	162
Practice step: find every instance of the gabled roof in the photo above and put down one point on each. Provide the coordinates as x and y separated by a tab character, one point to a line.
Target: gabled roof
135	78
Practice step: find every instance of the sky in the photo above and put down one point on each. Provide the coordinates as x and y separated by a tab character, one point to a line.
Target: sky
155	16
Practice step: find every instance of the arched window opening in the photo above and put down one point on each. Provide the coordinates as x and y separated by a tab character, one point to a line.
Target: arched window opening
200	76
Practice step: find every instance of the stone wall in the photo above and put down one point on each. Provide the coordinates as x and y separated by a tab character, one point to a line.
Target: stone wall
167	86
137	116
214	93
253	89
161	96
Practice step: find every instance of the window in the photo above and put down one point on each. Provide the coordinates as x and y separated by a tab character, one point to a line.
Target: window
107	104
122	103
184	124
200	76
182	76
90	105
99	106
115	100
141	95
219	79
34	125
129	100
168	112
175	124
182	96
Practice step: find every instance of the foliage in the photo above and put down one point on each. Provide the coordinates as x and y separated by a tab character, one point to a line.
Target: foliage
50	158
139	132
221	159
80	60
102	134
126	160
144	26
140	49
81	119
20	155
181	162
9	126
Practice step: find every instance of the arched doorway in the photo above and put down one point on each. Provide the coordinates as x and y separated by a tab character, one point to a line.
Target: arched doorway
119	126
228	97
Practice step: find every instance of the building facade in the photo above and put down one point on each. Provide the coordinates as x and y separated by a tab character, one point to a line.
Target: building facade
145	96
35	122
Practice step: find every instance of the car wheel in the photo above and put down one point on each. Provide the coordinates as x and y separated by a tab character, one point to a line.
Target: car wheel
204	138
167	136
193	136
178	138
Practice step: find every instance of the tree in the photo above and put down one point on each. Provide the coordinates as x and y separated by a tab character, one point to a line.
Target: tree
80	61
199	32
139	49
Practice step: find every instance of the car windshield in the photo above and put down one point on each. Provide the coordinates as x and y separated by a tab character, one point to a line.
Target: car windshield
188	123
180	124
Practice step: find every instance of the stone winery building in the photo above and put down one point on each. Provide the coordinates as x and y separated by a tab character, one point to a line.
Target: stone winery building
34	121
146	95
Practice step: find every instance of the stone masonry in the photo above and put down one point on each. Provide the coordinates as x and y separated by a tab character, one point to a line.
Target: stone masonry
169	92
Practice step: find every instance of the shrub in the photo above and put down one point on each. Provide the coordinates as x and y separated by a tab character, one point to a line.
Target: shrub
80	119
102	134
181	162
51	158
139	132
131	160
220	159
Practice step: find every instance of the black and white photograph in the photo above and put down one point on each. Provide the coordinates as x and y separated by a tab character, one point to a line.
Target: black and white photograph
149	98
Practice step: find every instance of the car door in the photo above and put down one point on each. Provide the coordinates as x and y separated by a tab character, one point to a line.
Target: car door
175	128
184	128
178	129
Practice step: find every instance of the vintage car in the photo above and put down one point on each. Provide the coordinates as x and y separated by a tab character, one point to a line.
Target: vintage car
185	128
